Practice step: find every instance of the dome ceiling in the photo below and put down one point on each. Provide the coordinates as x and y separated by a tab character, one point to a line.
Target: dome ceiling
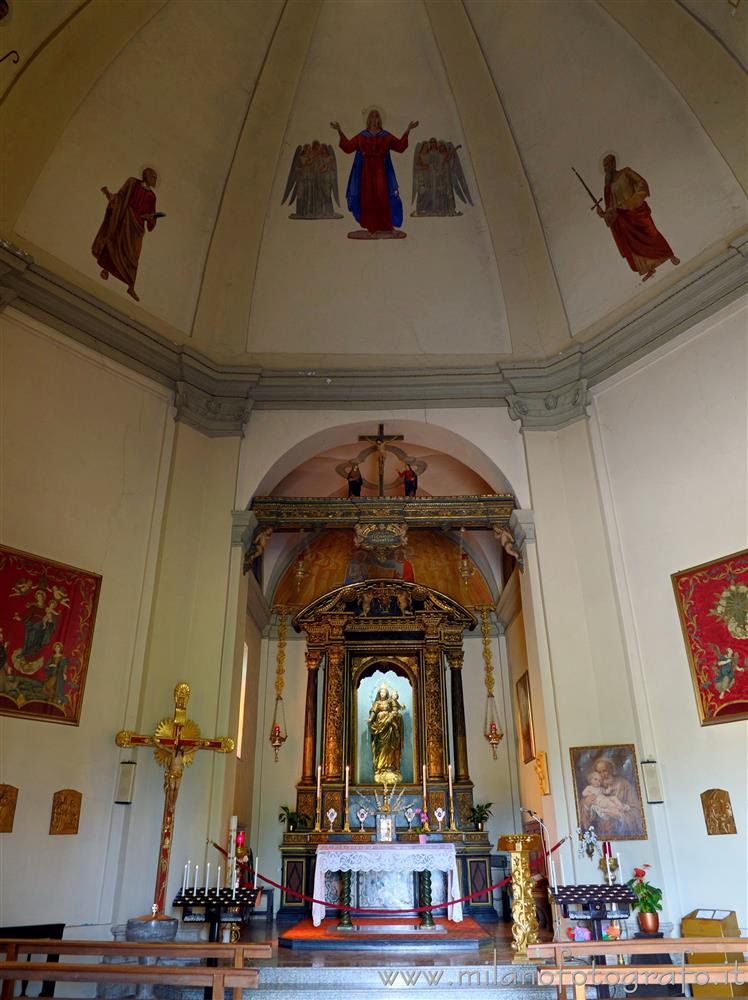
218	97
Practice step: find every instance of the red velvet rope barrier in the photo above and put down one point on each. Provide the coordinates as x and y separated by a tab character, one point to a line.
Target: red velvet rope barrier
410	909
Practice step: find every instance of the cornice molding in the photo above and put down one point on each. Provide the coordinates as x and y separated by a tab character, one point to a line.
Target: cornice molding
217	399
522	526
550	410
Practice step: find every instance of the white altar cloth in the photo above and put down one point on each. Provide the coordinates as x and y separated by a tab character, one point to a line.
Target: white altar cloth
387	858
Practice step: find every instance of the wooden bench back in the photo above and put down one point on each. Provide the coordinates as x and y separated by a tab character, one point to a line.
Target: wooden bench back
557	950
232	974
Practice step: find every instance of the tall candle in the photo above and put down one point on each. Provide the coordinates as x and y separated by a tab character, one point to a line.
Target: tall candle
449	776
189	873
347	776
607	868
257	865
197	869
218	880
231	857
319	780
207	876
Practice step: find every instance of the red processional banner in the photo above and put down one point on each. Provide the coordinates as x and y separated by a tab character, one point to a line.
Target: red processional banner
712	602
47	613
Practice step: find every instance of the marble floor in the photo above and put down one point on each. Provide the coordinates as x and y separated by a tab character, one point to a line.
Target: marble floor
496	951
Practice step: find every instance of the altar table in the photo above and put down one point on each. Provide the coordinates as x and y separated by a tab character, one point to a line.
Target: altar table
387	858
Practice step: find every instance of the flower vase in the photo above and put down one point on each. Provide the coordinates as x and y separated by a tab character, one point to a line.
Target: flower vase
649	922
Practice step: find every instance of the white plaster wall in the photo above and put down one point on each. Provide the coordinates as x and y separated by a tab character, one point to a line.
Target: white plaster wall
195	631
485	439
494	780
84	454
670	441
275	782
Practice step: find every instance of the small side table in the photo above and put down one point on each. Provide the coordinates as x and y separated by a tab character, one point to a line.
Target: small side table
661	958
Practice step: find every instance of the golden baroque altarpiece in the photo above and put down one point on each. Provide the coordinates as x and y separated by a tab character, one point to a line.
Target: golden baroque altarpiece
357	636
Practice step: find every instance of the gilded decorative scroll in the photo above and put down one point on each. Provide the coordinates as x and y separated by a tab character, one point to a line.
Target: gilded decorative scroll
306	804
66	811
718	814
464	809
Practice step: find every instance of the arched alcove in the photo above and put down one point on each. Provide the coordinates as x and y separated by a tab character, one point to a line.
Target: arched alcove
289	446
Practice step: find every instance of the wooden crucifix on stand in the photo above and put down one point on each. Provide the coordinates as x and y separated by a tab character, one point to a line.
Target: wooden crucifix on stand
175	742
379	440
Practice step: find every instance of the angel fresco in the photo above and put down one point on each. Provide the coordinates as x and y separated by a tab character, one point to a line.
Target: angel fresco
312	183
437	177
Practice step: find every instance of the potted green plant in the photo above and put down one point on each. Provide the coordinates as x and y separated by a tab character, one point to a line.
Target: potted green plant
648	900
479	814
293	820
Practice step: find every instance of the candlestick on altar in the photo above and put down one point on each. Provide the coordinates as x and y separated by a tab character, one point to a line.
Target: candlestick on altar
184	879
425	810
347	811
207	877
175	742
197	869
218	881
318	815
452	825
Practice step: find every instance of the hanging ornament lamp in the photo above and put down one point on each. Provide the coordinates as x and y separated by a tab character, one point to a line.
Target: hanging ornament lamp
466	570
491	726
300	569
278	732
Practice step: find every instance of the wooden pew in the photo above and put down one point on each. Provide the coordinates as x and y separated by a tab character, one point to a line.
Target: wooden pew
562	975
48	931
217	977
127	972
557	950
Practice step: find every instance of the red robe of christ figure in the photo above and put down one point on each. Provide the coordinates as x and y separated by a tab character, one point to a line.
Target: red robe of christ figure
119	240
372	194
629	218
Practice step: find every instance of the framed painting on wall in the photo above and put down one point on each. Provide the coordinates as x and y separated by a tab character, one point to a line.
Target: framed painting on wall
712	602
47	613
524	716
607	792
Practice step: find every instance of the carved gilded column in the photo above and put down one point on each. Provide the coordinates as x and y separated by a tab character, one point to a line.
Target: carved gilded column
309	762
434	717
524	914
455	658
334	716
